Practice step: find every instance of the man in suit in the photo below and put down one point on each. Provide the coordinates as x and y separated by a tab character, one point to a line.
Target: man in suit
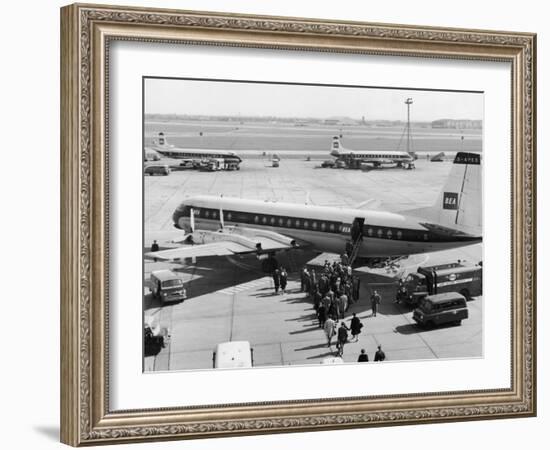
374	302
379	355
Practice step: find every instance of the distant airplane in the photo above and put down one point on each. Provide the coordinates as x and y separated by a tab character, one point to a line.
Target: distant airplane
231	159
227	226
376	159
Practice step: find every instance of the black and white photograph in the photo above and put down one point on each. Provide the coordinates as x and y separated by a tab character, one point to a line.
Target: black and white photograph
302	224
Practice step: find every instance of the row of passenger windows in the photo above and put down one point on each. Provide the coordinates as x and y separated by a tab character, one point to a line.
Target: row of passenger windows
315	225
194	155
274	221
383	156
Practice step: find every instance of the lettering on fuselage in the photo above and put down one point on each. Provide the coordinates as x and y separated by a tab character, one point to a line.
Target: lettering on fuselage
450	200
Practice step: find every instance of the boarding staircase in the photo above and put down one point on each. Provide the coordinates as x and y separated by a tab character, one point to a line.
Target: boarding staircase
357	239
355	250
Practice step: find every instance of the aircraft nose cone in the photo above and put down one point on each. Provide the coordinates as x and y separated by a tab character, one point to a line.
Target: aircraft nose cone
178	218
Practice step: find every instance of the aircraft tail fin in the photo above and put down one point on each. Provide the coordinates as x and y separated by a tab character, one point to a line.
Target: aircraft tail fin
458	205
161	141
336	146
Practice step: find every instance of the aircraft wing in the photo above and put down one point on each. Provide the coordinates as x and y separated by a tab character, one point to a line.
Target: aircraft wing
225	244
190	251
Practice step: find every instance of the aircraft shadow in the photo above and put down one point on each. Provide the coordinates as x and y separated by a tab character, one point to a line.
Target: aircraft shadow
210	275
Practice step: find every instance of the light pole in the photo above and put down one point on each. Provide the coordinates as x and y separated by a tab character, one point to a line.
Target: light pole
409	102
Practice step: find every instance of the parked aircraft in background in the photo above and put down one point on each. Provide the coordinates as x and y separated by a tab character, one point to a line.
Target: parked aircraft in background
357	158
231	159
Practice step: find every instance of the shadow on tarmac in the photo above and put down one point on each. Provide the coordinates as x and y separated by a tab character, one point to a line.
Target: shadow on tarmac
413	328
213	274
305	330
302	318
312	347
323	355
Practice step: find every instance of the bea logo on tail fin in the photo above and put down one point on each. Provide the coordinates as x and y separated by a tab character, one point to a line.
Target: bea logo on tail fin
450	200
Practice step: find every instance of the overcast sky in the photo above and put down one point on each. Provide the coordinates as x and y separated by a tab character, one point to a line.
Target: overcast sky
167	96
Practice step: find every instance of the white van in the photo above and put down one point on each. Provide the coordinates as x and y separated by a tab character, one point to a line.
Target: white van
167	286
232	355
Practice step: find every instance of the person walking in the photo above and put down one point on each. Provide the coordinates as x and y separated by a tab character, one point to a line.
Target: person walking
326	302
284	279
342	305
363	357
379	355
342	338
333	308
313	279
316	299
344	259
155	246
322	315
305	280
356	282
374	302
349	293
355	327
330	330
276	280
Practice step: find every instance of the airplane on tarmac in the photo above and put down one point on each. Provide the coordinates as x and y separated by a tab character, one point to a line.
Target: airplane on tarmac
375	159
215	225
231	159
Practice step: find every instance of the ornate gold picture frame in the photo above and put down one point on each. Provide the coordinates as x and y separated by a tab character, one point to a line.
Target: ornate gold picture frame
87	31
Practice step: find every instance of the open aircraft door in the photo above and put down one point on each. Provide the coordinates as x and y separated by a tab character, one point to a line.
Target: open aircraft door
356	231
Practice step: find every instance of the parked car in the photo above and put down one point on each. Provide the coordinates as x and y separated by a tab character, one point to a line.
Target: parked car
329	163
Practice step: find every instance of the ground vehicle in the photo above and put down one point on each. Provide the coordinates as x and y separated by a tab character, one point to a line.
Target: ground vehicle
157	169
274	163
184	165
151	155
453	277
167	286
229	165
438	309
231	355
213	164
154	337
328	163
340	164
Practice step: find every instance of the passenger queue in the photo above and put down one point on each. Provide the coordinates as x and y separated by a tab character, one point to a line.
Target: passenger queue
332	290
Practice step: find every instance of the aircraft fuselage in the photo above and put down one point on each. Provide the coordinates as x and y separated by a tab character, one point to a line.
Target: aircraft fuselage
326	228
